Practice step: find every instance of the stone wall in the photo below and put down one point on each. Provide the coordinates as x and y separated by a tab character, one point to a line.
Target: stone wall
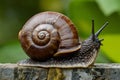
97	72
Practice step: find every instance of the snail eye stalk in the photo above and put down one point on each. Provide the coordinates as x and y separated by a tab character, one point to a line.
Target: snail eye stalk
93	32
99	31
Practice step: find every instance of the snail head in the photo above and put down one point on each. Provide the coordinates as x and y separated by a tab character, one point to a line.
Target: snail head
95	35
93	40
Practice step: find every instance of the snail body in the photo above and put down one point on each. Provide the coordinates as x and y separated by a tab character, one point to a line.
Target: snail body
50	39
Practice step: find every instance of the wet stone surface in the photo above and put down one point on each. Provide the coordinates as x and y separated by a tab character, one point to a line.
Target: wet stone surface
97	72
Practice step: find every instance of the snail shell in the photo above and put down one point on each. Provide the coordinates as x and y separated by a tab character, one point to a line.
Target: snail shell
49	34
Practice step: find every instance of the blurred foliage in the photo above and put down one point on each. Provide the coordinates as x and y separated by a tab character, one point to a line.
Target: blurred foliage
14	13
11	52
107	8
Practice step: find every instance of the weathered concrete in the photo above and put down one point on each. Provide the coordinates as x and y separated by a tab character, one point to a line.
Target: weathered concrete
97	72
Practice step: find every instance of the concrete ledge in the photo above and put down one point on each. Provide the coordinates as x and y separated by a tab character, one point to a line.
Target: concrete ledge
97	72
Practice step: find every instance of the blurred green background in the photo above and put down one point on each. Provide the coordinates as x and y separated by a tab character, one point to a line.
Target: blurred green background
14	13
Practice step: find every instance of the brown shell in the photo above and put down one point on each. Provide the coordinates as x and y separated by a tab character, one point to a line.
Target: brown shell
49	34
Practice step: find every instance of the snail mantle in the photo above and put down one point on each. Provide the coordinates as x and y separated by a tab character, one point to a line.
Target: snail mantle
97	72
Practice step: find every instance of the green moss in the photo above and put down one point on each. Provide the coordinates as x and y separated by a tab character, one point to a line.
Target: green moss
55	74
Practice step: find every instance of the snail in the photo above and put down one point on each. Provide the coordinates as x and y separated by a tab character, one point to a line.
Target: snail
50	39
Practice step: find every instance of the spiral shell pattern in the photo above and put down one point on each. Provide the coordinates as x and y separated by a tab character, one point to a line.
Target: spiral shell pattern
49	34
